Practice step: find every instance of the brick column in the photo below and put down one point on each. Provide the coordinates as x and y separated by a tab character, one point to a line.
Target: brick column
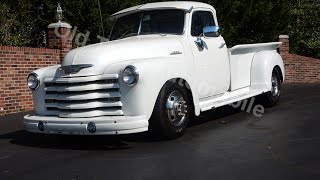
284	48
60	37
286	56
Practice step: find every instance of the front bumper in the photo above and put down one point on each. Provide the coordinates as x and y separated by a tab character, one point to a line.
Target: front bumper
78	126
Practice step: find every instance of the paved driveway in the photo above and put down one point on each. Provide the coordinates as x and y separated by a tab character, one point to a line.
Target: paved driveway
221	144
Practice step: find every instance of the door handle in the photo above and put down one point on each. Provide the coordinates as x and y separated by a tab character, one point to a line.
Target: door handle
222	45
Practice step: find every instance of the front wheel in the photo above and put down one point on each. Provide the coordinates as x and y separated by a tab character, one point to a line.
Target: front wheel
171	113
272	97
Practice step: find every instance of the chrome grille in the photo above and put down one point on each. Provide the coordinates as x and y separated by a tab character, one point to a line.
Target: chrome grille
78	97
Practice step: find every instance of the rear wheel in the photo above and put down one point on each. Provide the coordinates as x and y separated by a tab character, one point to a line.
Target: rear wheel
272	97
171	113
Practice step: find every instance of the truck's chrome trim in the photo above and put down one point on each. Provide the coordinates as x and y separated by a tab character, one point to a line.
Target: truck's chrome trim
86	87
83	96
175	53
85	105
81	79
72	69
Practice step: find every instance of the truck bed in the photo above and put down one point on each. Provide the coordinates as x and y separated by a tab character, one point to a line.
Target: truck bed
241	57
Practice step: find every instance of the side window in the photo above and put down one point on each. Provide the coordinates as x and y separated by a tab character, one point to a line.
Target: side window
201	19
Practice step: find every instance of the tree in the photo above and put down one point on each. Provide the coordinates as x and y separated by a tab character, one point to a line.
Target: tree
304	27
24	22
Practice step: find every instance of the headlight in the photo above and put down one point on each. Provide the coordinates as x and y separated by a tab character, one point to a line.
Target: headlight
130	75
33	81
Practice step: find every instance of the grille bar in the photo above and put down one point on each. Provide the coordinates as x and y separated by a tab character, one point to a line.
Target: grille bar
81	79
86	105
83	96
86	87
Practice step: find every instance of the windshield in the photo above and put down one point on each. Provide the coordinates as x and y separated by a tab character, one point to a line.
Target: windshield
169	21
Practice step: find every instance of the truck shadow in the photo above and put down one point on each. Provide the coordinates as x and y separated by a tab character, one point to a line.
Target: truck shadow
121	142
23	138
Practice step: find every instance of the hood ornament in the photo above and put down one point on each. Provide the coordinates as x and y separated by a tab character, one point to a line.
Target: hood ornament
73	69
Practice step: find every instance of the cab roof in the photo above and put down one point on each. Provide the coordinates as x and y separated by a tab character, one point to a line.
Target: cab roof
185	5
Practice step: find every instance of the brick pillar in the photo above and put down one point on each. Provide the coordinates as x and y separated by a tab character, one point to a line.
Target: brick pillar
286	56
284	48
59	37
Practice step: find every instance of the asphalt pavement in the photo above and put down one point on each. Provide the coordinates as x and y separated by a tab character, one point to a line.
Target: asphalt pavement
224	143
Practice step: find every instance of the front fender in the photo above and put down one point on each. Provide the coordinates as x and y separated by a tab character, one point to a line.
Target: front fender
153	74
39	94
262	66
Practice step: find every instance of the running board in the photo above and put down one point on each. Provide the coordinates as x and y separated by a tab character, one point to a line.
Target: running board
228	98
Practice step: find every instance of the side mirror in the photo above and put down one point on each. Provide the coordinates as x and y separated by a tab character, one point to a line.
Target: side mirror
211	31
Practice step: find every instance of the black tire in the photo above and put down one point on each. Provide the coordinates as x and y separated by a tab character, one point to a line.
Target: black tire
160	125
271	98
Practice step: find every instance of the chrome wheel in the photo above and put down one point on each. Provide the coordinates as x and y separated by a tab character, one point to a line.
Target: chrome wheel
272	97
172	112
275	91
176	108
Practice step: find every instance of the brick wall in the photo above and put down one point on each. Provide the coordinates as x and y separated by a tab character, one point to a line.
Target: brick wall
299	69
17	62
15	65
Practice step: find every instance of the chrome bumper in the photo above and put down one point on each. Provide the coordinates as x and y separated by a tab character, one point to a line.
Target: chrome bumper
79	126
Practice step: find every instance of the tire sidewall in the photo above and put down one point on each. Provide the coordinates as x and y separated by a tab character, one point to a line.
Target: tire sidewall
160	125
182	127
275	99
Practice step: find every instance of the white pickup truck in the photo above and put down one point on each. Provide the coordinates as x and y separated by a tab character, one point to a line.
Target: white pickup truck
164	63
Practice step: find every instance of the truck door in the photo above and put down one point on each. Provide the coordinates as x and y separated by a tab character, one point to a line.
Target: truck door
212	61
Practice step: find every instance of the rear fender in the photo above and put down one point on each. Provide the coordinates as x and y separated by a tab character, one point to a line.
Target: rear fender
263	64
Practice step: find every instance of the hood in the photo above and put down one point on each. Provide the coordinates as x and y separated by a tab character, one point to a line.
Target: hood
134	48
